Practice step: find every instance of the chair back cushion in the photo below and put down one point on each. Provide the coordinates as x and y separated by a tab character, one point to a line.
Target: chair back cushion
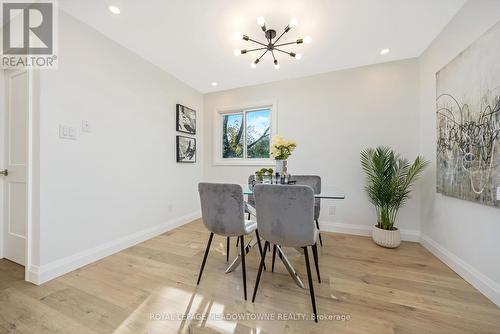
222	208
314	182
285	214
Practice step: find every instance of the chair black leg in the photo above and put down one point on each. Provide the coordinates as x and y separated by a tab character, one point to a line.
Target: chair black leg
249	216
311	288
243	267
320	240
205	257
260	245
261	266
315	255
227	249
237	241
274	257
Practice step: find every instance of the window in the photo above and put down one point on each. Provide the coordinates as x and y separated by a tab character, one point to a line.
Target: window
245	135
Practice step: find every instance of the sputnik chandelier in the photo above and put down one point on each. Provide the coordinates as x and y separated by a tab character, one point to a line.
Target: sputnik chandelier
271	45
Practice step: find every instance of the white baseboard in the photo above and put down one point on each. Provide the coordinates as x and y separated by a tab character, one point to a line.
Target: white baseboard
41	274
484	284
364	230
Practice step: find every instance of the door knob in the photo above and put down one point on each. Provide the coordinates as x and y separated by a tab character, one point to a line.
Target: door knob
4	172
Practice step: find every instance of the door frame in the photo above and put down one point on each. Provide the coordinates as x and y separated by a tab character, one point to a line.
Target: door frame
29	177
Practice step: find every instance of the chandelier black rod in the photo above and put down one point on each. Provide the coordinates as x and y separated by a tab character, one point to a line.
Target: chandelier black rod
283	44
257	49
277	39
272	52
262	55
288	53
252	40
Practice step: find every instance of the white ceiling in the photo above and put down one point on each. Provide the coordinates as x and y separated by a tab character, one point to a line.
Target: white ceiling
194	39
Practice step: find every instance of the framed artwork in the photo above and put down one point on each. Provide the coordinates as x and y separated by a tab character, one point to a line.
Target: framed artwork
186	149
186	119
468	122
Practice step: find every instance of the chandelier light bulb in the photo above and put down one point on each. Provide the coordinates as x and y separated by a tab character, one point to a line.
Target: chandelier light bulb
307	39
276	64
261	21
113	9
238	35
237	52
253	65
298	56
293	23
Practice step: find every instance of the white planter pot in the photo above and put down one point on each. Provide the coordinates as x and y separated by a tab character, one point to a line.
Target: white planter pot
386	238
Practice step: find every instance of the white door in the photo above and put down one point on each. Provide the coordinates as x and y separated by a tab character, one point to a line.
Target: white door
14	168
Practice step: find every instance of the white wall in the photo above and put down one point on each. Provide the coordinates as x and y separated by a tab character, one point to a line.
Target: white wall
466	235
333	117
113	186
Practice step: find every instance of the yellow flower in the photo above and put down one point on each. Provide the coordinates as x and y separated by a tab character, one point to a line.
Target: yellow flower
281	149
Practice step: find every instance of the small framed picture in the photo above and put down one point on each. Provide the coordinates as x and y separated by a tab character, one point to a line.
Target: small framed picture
186	149
186	119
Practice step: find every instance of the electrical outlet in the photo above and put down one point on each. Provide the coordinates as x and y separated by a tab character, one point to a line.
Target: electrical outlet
331	211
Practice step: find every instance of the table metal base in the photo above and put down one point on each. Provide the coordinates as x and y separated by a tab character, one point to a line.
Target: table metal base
295	276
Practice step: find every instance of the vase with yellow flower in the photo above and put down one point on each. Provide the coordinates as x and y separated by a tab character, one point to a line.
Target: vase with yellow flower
281	149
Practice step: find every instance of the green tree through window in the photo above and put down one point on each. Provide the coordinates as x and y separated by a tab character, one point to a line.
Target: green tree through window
247	129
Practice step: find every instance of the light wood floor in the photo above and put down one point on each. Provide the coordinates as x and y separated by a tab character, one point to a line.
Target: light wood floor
377	290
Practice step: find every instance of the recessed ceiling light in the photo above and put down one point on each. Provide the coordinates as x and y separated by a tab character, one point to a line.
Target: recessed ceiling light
385	51
214	83
113	9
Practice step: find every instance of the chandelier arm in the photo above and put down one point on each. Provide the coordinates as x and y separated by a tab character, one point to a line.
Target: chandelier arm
263	54
272	52
250	50
252	40
277	39
288	53
283	44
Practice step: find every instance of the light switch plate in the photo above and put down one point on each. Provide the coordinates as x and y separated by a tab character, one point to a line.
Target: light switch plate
498	193
86	126
67	132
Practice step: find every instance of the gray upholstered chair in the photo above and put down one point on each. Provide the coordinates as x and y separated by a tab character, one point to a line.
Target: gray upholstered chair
250	201
314	182
222	210
285	215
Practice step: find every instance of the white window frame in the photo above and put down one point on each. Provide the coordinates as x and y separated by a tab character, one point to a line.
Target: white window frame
217	139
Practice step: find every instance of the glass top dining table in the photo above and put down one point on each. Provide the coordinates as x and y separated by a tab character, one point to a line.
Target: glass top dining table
326	192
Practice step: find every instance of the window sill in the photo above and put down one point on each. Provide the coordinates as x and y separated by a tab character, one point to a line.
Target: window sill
248	162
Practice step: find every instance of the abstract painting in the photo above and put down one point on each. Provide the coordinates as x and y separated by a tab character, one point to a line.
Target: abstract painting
186	119
468	122
186	149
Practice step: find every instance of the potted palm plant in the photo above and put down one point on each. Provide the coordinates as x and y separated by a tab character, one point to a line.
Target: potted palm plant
389	178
